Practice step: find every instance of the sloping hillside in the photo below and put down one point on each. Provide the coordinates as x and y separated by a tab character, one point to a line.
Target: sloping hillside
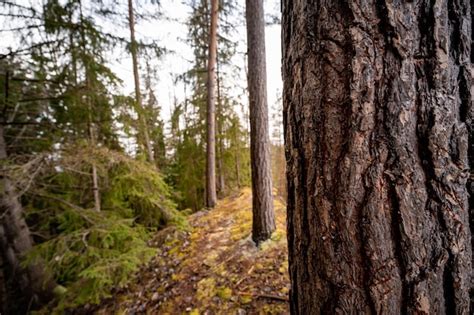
214	268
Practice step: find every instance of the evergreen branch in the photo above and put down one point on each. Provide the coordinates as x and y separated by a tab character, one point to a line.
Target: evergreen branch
23	16
36	99
21	123
16	52
15	29
12	4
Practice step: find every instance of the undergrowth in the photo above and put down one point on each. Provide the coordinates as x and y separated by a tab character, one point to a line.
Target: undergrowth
90	253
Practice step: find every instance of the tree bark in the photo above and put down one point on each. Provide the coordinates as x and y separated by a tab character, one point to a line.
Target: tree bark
3	283
29	285
145	135
263	223
376	106
211	195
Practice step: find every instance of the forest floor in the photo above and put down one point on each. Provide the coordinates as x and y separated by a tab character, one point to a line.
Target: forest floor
213	268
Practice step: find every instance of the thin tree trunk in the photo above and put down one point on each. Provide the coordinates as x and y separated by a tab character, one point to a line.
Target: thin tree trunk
136	78
211	196
92	137
95	176
376	101
263	223
220	146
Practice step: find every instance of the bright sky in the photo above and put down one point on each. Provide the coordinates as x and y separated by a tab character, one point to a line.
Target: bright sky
170	32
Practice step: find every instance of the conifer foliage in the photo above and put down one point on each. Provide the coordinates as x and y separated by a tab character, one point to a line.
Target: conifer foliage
75	206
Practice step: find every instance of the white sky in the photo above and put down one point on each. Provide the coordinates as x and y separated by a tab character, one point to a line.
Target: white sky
171	32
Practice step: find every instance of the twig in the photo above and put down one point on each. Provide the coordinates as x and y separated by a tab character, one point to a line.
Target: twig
267	296
245	277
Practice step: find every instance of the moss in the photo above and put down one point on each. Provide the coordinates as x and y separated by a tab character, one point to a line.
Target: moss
284	267
177	277
273	309
224	293
245	299
206	289
277	235
240	231
258	266
175	250
211	258
220	270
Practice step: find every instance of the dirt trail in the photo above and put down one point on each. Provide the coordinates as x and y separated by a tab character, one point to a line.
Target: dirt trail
212	269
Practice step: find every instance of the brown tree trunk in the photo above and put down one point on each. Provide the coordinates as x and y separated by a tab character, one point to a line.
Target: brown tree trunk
263	223
376	96
144	133
220	142
211	196
3	282
29	285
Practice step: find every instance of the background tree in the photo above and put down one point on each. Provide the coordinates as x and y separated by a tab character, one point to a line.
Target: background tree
263	223
187	163
376	101
211	194
143	129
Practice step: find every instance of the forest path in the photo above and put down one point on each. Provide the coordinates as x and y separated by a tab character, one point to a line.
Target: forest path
214	268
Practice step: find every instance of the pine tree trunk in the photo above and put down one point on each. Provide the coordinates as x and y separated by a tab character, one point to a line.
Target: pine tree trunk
31	285
220	142
263	223
145	135
211	195
376	101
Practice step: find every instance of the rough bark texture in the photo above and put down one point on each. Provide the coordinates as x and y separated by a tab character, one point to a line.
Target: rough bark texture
470	125
145	135
263	223
3	283
211	195
376	106
26	286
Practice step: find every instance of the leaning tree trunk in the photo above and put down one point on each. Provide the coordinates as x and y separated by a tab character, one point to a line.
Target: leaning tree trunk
263	218
376	106
211	195
27	286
